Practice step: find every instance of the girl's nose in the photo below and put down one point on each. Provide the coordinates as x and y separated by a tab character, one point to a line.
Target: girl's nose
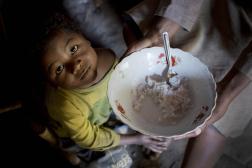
77	66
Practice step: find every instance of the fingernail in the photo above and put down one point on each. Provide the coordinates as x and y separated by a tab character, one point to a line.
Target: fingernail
198	131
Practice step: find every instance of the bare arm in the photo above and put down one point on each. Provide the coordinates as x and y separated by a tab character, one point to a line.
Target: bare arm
233	88
153	37
169	17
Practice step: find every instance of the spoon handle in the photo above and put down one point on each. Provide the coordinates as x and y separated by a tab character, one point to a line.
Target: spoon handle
167	48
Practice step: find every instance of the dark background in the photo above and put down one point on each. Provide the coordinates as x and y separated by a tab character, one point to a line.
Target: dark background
19	144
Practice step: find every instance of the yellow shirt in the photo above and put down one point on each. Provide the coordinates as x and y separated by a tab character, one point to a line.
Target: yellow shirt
79	114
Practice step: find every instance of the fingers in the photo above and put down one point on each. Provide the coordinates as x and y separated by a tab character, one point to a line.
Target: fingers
157	144
138	46
157	149
161	141
189	135
157	140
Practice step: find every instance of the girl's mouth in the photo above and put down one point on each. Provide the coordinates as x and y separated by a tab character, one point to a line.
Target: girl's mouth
84	73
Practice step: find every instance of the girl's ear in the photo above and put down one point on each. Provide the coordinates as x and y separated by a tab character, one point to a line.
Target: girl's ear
88	42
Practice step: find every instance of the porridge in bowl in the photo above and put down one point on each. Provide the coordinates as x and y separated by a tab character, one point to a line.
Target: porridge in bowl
171	101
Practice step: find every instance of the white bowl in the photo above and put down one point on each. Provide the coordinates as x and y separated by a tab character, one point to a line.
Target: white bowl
132	70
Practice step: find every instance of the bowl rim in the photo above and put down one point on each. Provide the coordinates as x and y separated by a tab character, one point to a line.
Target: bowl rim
175	135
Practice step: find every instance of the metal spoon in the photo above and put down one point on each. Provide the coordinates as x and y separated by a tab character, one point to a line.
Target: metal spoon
167	55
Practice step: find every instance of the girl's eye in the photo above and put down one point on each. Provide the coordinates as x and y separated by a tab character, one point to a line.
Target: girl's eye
59	69
74	49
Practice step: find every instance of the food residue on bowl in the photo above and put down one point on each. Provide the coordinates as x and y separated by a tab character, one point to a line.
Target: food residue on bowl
171	102
119	107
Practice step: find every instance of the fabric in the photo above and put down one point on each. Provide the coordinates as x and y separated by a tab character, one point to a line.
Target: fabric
219	30
114	158
239	114
176	10
98	22
244	65
79	114
221	39
183	12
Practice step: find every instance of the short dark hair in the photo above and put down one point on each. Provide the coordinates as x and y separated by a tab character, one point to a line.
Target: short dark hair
56	22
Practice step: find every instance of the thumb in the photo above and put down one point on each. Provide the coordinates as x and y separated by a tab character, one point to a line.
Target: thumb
195	133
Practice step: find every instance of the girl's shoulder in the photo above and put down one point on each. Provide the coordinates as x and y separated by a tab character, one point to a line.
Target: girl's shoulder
62	102
58	96
107	53
107	60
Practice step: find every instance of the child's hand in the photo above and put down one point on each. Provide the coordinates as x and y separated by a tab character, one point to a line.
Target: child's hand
156	144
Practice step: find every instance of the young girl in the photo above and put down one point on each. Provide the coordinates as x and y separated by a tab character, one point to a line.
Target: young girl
76	94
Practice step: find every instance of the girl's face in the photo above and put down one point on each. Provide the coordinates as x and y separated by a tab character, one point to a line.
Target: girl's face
69	61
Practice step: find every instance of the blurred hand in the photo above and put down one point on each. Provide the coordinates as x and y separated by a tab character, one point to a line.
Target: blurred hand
154	35
155	144
192	134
